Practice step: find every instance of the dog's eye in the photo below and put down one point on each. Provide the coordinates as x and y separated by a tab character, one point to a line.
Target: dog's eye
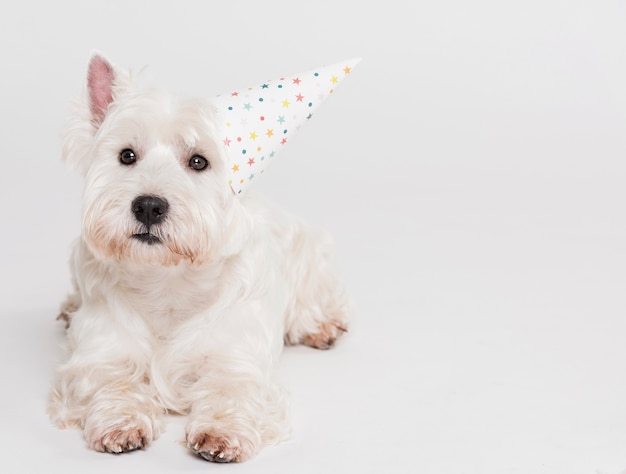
127	156
198	163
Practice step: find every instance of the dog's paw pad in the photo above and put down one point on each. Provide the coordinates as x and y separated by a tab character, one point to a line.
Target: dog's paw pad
121	440
216	448
327	335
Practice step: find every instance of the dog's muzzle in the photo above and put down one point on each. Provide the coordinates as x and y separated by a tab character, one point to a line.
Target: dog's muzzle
150	211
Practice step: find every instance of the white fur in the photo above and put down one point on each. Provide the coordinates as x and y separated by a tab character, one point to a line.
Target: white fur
196	324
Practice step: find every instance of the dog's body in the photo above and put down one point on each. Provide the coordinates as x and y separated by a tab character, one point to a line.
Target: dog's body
185	293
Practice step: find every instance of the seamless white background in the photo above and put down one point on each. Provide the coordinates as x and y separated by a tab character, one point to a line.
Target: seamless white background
472	171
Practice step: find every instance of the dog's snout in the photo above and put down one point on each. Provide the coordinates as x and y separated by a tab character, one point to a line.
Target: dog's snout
149	210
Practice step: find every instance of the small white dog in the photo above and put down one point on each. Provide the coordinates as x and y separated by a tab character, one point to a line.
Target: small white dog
185	292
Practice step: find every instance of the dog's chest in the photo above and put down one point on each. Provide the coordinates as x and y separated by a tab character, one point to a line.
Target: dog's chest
168	297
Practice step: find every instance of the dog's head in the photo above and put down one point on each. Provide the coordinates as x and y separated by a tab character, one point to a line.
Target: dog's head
156	187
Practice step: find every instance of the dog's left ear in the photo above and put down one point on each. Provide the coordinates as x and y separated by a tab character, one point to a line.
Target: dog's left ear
100	82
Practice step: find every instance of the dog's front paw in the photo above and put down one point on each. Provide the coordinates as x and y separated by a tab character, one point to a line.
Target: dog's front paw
216	448
119	438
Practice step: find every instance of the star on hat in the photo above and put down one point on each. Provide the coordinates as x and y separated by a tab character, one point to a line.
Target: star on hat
257	122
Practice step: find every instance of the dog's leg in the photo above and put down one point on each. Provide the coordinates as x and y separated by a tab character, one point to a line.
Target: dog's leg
104	387
234	419
121	419
221	371
73	301
320	309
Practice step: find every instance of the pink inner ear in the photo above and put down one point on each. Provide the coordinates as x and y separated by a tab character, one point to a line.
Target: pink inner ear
100	85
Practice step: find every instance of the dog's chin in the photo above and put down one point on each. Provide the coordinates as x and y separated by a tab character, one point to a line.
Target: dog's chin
147	238
145	248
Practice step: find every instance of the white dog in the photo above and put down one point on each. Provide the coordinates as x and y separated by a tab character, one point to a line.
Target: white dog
185	292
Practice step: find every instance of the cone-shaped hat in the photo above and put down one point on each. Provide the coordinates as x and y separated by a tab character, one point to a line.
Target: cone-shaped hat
257	122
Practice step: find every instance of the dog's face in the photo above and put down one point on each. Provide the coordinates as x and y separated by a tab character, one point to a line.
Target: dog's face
156	188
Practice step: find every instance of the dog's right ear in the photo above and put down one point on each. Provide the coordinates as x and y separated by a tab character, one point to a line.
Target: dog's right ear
105	83
100	82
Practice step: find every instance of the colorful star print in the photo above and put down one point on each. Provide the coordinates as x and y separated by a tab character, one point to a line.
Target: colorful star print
285	103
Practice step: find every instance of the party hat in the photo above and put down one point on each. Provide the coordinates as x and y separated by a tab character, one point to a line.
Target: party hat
256	123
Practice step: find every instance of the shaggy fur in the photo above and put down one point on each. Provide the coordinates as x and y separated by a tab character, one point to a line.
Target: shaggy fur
193	320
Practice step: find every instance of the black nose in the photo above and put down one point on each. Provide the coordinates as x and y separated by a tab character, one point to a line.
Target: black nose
149	210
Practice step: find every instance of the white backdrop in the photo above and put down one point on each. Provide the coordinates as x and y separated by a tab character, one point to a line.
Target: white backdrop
472	171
